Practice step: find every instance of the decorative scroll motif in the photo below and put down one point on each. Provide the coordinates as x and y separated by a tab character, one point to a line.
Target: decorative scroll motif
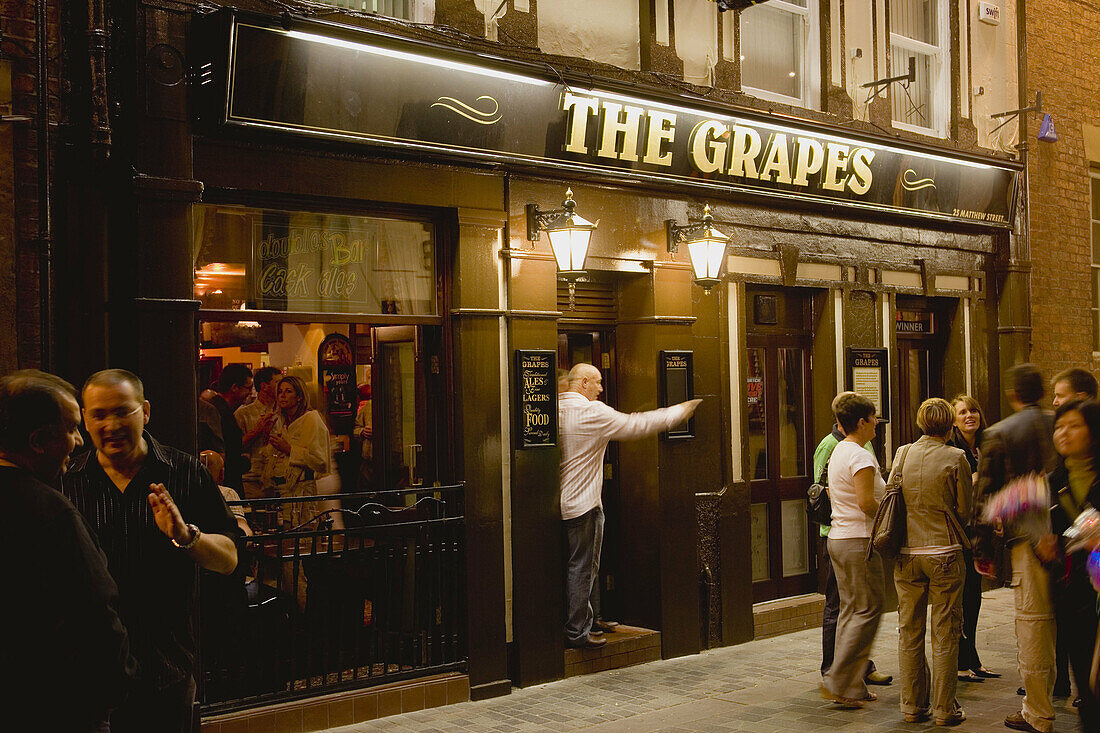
916	184
472	113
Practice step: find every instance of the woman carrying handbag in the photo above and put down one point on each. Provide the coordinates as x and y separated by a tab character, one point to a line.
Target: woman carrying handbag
935	483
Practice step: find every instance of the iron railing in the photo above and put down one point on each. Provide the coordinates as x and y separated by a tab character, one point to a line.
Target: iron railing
362	589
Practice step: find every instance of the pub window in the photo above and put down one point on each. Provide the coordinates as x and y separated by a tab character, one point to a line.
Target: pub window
919	30
780	51
419	11
275	260
1094	185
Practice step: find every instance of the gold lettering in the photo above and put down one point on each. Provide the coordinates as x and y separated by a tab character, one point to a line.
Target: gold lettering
836	160
811	156
860	180
746	146
708	154
579	108
777	160
618	119
660	130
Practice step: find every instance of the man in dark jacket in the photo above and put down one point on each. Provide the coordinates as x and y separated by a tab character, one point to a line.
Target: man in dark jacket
1016	446
66	655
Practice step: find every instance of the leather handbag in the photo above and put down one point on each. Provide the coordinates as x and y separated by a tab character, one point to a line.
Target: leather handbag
818	505
889	532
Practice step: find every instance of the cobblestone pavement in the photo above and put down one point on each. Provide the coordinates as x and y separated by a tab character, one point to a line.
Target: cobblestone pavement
768	686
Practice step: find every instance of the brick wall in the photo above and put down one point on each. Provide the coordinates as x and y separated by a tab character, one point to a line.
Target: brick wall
1063	50
20	332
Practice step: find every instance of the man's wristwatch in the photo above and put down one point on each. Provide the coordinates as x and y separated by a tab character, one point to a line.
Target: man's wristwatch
195	534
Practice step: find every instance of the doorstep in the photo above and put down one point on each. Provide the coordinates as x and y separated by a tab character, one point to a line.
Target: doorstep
344	708
785	615
626	646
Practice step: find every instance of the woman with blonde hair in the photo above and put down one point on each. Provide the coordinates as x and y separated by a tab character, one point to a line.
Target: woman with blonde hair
935	481
298	450
967	437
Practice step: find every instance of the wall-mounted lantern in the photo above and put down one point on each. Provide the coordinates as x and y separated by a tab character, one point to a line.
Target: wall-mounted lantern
706	247
569	237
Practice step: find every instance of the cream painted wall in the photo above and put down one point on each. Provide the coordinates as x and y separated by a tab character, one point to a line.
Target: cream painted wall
697	39
993	50
605	31
858	33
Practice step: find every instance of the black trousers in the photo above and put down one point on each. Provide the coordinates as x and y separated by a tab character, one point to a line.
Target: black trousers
971	605
1075	614
165	710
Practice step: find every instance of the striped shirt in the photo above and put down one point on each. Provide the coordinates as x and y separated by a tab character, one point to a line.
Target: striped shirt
585	427
156	580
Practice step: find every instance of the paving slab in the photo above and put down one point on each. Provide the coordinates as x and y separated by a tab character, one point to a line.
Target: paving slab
765	686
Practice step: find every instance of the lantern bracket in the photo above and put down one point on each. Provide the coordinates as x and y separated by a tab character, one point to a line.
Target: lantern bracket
538	220
678	234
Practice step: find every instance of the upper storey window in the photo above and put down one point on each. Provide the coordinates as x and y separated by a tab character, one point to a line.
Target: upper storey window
779	51
919	31
420	11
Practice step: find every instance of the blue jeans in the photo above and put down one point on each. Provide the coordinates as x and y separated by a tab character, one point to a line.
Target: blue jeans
584	541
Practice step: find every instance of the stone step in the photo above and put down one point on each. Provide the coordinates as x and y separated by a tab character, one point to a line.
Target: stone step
626	646
784	615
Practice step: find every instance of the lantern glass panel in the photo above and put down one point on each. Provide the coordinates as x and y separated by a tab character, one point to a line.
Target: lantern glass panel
570	247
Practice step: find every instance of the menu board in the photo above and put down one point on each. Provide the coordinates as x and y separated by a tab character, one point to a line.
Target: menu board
867	376
676	372
536	399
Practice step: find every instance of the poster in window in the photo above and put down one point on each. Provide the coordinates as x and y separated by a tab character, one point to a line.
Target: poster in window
867	375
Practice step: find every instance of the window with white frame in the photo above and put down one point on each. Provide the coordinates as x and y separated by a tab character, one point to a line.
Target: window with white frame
419	11
919	31
780	51
1094	185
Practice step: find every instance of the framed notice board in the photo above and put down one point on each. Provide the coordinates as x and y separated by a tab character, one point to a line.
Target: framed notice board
536	405
677	377
867	375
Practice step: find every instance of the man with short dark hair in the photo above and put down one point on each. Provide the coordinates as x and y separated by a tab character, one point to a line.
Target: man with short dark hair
255	420
1073	384
1016	446
160	517
60	624
234	389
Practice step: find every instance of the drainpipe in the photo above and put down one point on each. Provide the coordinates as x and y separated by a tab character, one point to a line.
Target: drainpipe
45	242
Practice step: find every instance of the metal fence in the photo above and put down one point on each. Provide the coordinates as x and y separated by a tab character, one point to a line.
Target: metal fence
335	592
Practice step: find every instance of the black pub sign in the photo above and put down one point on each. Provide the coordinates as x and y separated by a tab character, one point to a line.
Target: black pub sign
536	398
677	376
868	375
335	82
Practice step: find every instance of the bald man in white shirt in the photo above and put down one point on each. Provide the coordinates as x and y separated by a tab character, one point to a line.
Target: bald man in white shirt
585	427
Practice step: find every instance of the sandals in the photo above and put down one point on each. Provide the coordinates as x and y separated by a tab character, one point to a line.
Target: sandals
847	703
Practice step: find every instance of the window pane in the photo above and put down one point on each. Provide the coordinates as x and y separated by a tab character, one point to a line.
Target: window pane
1095	241
758	530
771	50
792	448
758	432
796	553
913	104
301	261
1095	185
915	19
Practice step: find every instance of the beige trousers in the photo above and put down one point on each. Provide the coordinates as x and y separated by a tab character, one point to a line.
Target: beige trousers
859	582
929	585
1034	636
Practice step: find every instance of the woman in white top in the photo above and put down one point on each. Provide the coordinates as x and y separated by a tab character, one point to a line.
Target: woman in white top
298	451
929	571
855	489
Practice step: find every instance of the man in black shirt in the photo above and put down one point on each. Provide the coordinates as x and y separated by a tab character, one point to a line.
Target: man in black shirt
234	389
66	655
159	517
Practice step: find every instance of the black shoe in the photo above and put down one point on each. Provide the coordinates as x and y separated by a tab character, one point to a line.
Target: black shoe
1077	702
1021	691
983	672
878	678
605	626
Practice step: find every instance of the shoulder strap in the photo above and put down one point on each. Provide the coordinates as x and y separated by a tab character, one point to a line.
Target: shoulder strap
901	464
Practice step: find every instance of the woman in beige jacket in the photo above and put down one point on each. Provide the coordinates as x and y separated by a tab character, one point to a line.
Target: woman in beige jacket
929	573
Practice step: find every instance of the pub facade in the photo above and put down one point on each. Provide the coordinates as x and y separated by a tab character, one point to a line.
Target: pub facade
363	200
